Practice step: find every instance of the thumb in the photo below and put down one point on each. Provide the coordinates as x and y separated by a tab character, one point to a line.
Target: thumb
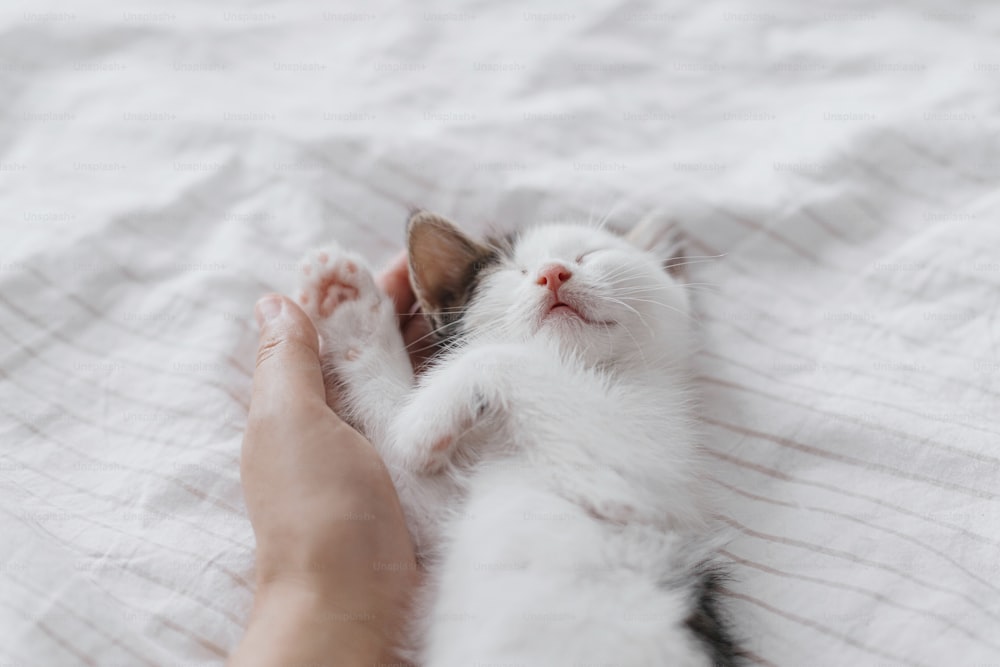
288	374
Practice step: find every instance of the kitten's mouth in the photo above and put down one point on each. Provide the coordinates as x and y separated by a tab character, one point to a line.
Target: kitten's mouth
562	309
565	308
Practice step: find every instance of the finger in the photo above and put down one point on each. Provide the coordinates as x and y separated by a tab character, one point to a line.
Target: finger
419	342
395	280
415	332
288	372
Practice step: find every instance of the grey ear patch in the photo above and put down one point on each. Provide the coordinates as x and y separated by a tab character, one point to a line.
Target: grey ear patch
445	267
658	235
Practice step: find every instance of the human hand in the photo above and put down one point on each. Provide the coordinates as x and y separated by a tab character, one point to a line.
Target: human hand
335	563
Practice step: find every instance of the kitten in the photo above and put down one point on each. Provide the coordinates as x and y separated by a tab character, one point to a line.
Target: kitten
547	461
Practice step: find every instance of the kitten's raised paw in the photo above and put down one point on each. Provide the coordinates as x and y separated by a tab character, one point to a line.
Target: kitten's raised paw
339	293
331	277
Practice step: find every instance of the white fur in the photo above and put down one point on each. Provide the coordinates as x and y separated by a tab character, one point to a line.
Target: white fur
557	524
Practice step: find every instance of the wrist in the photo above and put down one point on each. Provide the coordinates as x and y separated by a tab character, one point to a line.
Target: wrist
296	623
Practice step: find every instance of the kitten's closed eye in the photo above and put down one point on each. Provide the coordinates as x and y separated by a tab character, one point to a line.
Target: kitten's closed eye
581	256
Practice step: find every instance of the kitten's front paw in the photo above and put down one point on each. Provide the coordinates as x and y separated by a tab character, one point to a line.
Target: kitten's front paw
430	442
330	277
339	294
430	450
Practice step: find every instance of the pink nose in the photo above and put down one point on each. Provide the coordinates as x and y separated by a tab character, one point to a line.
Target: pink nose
553	276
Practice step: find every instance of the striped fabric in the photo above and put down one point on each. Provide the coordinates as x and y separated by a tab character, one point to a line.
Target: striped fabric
164	163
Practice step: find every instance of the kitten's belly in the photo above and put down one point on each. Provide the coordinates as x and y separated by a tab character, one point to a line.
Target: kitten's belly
534	579
605	461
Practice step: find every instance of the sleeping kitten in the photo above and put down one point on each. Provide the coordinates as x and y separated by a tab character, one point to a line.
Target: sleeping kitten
547	461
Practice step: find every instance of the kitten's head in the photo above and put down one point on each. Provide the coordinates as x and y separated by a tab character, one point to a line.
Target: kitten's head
606	297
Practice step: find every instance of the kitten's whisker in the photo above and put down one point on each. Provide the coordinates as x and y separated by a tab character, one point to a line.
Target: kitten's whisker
638	347
637	313
642	288
427	335
607	216
685	258
627	291
664	305
624	273
677	265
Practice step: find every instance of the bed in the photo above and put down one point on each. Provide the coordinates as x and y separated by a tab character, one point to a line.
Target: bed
834	169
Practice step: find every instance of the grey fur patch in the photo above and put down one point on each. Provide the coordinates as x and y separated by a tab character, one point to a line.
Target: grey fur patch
708	621
444	301
453	300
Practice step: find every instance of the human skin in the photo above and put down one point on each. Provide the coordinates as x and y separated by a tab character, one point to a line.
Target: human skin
335	568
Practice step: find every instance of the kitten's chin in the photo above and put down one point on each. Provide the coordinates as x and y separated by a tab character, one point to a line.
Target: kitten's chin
567	330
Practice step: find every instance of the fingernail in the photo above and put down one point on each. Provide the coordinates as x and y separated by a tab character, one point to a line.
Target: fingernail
267	308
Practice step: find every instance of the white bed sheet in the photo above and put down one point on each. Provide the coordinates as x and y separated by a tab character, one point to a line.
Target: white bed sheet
164	163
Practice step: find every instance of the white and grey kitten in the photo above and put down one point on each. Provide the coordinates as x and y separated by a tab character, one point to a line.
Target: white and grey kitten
547	461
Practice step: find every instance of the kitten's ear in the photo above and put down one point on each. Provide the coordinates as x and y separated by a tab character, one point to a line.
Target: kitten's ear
662	238
443	264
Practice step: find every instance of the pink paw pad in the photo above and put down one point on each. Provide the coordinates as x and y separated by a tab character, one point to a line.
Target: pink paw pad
332	278
333	293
